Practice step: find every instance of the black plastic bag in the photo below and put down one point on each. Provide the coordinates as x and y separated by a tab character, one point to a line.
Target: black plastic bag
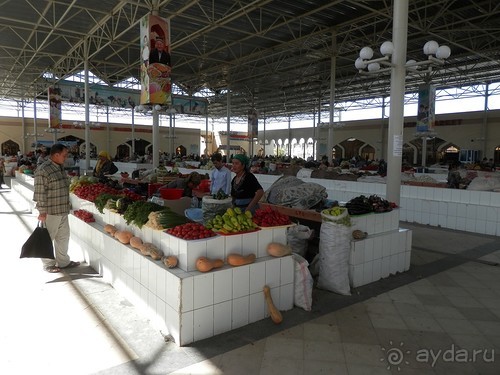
39	244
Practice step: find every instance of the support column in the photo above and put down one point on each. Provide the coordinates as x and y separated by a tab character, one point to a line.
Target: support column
23	127
484	131
87	104
228	125
330	142
396	117
35	127
133	133
289	139
156	135
206	135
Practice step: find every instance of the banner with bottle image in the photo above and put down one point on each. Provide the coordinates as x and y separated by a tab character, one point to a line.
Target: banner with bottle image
426	112
55	100
155	61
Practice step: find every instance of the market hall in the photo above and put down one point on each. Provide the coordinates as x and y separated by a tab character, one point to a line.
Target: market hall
347	350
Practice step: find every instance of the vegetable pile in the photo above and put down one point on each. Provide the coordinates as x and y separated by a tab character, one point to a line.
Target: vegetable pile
232	221
267	217
138	212
220	195
84	215
91	191
363	205
190	231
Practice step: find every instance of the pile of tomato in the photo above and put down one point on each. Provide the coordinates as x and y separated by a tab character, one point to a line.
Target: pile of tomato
191	231
84	215
90	192
267	217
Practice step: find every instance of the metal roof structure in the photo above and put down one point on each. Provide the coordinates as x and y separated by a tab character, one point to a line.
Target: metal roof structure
274	55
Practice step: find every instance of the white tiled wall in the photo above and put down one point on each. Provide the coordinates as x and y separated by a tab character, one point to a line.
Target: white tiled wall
379	256
467	210
190	305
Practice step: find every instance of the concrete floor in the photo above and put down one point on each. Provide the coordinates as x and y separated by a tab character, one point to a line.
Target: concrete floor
441	316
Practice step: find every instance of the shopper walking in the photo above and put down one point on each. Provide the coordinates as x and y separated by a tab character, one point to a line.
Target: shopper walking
2	172
220	176
52	202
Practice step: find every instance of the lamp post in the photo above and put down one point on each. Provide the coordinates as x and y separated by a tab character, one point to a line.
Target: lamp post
396	52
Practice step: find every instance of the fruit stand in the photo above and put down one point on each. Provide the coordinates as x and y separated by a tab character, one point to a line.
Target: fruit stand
188	304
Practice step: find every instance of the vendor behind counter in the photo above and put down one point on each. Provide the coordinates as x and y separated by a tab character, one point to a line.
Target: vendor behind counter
188	184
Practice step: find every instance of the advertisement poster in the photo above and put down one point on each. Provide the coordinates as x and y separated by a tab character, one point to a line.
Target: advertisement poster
426	112
190	105
155	61
54	95
74	92
253	123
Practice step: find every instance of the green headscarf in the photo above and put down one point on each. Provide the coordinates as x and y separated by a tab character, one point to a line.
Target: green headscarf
243	159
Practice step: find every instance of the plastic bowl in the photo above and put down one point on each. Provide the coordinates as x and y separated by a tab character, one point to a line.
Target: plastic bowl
166	193
204	185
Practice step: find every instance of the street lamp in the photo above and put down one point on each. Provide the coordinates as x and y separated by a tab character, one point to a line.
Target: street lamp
367	65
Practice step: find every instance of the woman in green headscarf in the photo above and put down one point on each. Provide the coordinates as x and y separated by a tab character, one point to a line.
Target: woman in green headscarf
245	189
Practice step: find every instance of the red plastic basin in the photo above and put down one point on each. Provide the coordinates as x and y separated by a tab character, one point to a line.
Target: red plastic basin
171	193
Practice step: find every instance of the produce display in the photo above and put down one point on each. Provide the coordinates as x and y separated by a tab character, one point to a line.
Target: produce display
275	314
90	192
277	249
84	215
232	221
123	236
136	242
138	212
220	195
191	231
203	264
81	181
359	234
338	215
166	218
237	260
268	217
364	205
170	261
110	229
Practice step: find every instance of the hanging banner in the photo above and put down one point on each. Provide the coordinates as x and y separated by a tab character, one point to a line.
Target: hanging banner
190	105
54	95
426	113
73	92
253	124
155	61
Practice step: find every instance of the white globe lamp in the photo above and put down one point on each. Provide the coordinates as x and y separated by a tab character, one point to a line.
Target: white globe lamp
443	52
431	47
387	48
366	53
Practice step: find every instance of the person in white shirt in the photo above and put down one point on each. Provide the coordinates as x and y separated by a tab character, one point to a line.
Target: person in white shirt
220	176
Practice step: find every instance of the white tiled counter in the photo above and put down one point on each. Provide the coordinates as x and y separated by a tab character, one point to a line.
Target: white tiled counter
188	304
386	250
467	210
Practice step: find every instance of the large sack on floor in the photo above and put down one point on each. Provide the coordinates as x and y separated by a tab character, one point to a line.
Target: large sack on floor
297	237
334	248
303	283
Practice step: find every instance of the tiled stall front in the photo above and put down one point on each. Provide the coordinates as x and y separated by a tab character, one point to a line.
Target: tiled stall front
189	304
386	250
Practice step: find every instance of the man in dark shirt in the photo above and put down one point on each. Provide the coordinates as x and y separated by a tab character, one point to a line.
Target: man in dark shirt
159	54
